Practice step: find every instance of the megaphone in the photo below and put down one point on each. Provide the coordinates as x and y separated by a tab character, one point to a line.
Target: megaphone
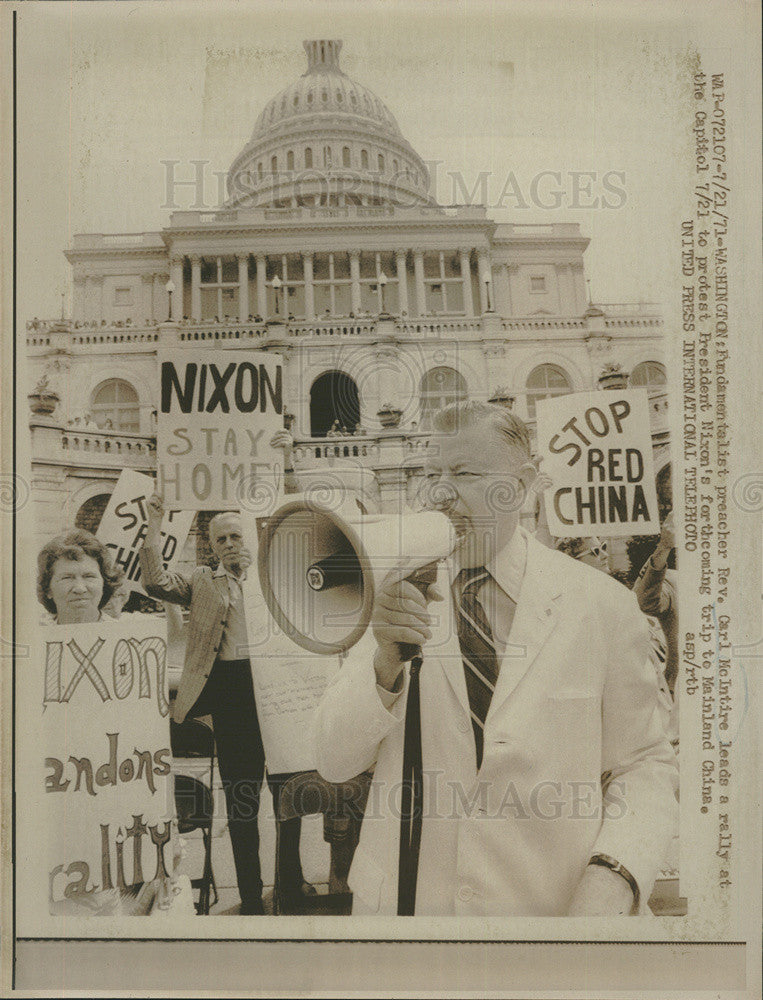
320	568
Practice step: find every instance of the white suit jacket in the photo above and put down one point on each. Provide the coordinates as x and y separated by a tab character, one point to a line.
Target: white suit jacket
575	761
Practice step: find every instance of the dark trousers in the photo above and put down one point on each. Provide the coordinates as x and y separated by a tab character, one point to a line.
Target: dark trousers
228	696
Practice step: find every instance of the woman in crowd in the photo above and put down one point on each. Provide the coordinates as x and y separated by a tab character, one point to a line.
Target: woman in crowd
75	577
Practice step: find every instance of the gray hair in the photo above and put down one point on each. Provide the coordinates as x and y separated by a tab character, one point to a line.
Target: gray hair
219	516
471	412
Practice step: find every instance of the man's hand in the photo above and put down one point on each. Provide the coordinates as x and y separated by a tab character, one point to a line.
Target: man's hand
154	518
666	543
601	893
284	440
399	616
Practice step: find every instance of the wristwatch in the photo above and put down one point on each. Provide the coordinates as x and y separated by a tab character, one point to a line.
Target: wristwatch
605	861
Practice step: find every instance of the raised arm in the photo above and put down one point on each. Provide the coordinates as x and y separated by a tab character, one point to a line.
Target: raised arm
159	582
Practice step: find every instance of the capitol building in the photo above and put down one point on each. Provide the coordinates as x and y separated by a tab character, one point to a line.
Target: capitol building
330	251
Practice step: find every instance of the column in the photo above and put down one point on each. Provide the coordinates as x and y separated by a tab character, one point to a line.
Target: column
402	281
578	278
243	287
176	273
466	281
78	304
196	289
262	292
147	315
157	297
355	280
503	303
307	264
418	271
484	271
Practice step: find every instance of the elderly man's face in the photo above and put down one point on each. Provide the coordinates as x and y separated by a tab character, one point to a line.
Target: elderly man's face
479	480
226	539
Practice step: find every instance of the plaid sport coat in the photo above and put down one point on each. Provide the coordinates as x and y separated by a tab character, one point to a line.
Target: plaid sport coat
207	596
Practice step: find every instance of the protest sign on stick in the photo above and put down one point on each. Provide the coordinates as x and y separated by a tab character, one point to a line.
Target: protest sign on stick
597	449
123	526
218	411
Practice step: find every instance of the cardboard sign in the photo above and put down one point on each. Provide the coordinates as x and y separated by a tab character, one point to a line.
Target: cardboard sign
103	761
597	449
218	411
288	681
123	526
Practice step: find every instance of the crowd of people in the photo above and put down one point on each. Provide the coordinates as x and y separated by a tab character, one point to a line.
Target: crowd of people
597	707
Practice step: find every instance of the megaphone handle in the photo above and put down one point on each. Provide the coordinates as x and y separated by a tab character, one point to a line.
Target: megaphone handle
421	579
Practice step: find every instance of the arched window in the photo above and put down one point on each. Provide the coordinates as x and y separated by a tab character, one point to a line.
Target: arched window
308	157
440	387
364	159
380	161
90	513
327	156
114	406
274	164
290	160
543	382
648	375
346	156
394	166
259	171
333	399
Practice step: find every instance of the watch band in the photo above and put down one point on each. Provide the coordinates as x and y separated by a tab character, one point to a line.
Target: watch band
605	861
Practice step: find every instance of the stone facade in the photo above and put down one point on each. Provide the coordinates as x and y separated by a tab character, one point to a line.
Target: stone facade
376	297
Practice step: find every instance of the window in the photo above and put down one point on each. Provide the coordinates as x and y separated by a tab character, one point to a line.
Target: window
327	156
537	283
274	164
114	406
259	171
439	388
394	167
364	159
380	162
290	160
543	382
346	156
308	157
648	375
122	297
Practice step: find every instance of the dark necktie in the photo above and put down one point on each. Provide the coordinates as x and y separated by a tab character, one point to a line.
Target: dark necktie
477	649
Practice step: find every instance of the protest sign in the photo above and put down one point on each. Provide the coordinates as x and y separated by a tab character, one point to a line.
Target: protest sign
218	411
123	526
103	761
597	449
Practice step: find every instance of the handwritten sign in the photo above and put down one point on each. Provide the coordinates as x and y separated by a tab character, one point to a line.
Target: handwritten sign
597	449
123	526
218	411
288	682
102	732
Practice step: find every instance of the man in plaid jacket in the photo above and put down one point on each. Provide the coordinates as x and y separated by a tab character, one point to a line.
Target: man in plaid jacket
217	681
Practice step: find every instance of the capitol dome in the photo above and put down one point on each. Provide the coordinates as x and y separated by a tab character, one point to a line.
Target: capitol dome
327	140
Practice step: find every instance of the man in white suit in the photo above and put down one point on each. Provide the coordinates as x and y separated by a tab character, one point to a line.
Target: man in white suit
549	785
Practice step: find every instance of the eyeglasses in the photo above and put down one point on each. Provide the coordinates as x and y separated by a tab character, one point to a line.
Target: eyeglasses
600	548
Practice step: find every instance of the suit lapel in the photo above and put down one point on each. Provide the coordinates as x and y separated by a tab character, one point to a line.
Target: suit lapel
536	617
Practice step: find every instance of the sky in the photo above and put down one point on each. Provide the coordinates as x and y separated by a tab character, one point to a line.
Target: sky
107	92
